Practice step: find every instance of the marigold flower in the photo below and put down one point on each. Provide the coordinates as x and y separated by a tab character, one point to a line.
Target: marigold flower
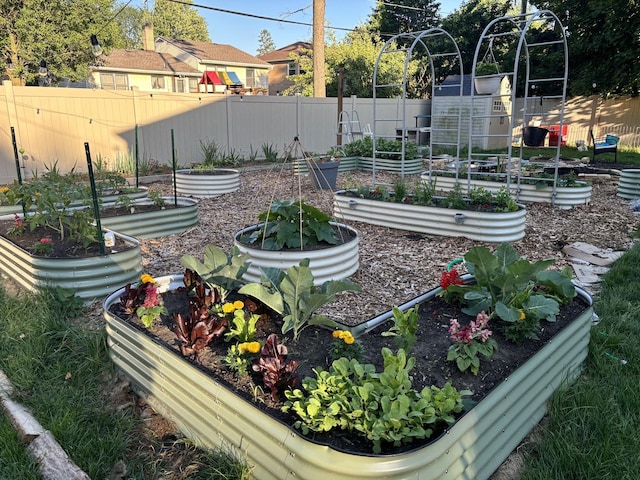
251	347
522	315
4	189
146	278
344	335
228	308
238	304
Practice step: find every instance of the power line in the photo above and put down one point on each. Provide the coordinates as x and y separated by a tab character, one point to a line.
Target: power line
259	17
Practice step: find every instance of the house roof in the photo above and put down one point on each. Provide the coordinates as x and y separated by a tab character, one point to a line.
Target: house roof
282	54
450	87
215	52
143	60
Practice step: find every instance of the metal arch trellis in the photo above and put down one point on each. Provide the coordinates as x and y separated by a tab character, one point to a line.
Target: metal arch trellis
433	37
518	27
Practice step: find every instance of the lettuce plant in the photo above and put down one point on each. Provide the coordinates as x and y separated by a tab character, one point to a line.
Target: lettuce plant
381	406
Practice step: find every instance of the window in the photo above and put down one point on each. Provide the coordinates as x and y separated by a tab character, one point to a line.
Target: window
114	81
157	82
294	69
179	86
251	78
193	85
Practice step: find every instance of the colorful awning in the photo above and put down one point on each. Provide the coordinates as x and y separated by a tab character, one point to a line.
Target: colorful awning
211	78
234	78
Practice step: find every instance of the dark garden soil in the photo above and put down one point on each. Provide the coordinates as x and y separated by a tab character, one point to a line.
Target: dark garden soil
311	350
66	247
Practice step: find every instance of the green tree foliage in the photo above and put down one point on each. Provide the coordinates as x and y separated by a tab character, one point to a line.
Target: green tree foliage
54	31
467	23
130	21
179	21
265	42
356	56
403	16
604	44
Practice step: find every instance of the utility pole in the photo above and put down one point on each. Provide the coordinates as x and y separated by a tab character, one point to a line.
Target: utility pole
319	86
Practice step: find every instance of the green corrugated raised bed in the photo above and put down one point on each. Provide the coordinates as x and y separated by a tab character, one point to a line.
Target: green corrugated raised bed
347	164
156	223
472	448
91	276
495	227
410	166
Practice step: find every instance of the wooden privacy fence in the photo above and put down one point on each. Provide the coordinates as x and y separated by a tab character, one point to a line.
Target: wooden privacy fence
52	124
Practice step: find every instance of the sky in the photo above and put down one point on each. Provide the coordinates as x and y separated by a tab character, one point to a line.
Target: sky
243	32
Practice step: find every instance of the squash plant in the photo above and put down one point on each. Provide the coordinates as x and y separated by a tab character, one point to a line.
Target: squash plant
292	224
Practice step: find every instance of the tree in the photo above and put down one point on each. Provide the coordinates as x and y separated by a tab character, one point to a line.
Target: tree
55	32
467	23
179	21
403	16
604	44
130	21
265	43
356	56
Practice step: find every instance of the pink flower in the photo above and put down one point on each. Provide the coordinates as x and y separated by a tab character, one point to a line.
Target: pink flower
151	296
46	240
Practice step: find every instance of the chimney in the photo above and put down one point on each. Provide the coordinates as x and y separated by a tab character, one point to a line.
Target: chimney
148	42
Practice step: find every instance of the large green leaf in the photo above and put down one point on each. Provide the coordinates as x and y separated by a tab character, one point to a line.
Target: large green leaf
539	306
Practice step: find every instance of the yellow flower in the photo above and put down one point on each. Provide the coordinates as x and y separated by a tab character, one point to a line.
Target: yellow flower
228	308
4	189
251	347
348	338
238	305
146	278
344	335
522	315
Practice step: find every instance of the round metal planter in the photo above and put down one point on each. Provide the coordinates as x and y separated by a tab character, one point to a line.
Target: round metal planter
157	223
91	277
203	184
335	262
629	185
347	164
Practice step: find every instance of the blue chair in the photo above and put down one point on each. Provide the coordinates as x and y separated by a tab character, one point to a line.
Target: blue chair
606	144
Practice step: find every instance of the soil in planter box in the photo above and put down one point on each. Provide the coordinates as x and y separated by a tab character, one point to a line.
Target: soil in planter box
62	248
311	351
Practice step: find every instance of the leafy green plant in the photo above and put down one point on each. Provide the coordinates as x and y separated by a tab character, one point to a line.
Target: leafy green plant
270	153
382	407
400	191
211	153
126	202
404	329
487	68
292	224
240	357
299	296
515	290
242	326
156	197
424	191
470	342
219	269
43	247
455	198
